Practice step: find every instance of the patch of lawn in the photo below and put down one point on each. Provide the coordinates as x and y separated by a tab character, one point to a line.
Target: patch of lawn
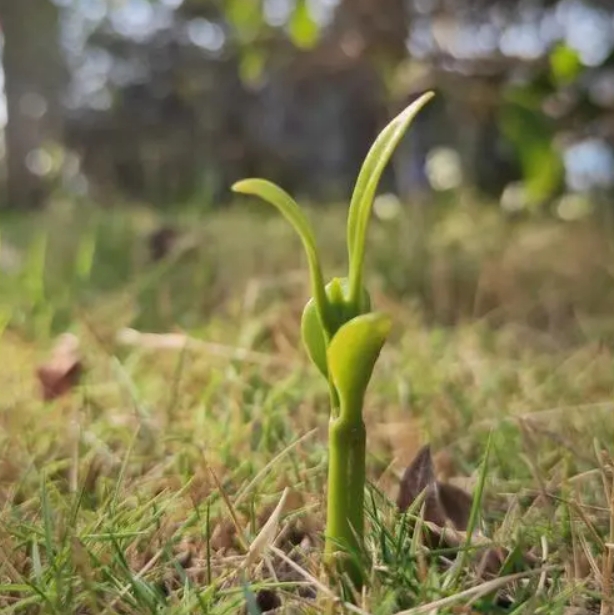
142	489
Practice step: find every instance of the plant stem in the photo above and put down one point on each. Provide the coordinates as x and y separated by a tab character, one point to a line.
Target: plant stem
346	482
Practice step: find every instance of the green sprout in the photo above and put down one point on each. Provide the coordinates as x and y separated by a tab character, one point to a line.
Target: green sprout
343	339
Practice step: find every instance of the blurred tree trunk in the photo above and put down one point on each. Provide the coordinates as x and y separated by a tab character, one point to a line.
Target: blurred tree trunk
378	28
34	74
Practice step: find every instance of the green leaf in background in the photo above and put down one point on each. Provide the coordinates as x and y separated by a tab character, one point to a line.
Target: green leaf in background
84	259
368	179
565	64
6	313
352	354
532	134
246	18
34	272
248	24
251	64
302	28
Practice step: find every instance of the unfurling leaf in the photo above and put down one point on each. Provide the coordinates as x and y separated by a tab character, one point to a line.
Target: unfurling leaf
339	310
352	354
366	186
61	372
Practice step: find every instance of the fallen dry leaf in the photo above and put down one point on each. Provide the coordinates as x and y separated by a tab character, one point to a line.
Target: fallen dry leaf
161	242
61	372
267	600
446	515
418	476
456	504
444	502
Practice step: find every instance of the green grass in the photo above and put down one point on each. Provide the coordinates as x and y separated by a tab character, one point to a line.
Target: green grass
180	455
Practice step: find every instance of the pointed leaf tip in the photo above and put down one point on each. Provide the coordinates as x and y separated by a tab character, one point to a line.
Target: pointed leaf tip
369	176
418	476
243	186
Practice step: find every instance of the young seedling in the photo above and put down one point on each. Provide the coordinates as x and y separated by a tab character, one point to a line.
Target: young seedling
343	339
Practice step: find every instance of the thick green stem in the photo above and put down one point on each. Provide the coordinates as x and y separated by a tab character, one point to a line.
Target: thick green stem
346	483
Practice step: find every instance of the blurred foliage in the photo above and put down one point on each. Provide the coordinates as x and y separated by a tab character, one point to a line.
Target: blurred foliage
532	135
463	262
565	64
172	100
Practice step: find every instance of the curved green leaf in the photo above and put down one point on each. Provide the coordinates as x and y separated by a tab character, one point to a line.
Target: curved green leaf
352	354
368	179
289	208
313	336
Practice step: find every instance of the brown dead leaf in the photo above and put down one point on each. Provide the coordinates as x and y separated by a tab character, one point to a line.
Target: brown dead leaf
456	504
161	242
446	515
267	600
419	477
61	372
444	502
